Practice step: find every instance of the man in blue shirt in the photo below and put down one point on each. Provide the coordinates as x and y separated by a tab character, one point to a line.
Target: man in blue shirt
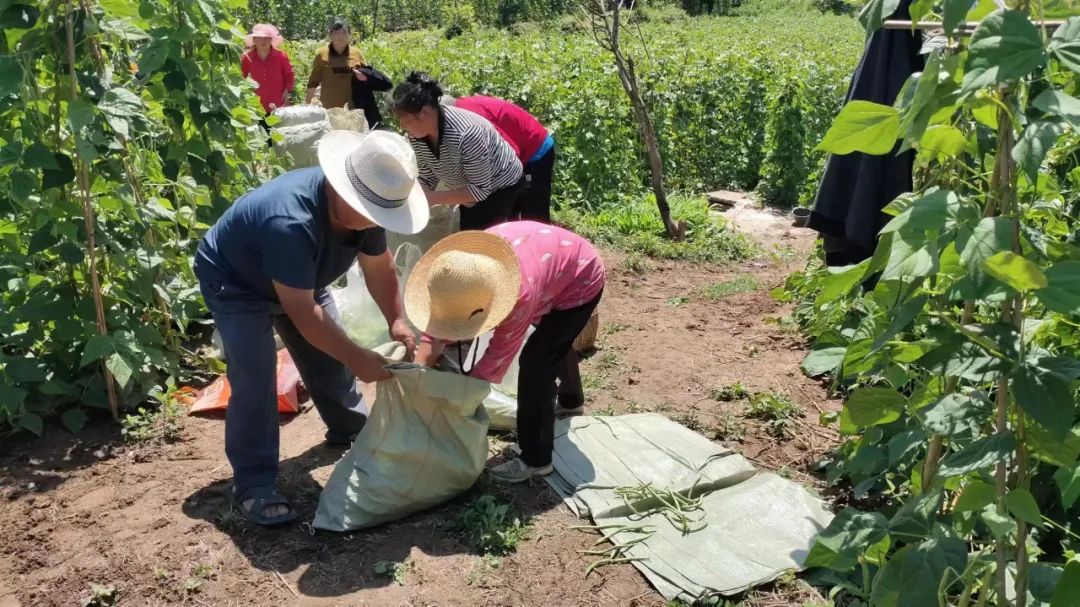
265	266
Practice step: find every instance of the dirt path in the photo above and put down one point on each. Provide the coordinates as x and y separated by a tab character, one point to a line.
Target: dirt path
152	522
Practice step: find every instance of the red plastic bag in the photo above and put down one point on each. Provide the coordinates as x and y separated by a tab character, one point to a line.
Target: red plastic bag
215	397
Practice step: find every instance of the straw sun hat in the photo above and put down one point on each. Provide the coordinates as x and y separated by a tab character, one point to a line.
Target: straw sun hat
264	30
376	174
463	286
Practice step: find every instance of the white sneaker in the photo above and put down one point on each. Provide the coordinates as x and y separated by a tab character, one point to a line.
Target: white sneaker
516	471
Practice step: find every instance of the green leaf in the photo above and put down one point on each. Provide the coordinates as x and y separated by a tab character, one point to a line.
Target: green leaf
928	212
1022	505
956	414
1062	291
119	106
954	12
31	422
915	519
74	420
1001	526
1043	389
991	236
1068	589
11	75
941	142
838	282
907	260
821	361
975	496
25	370
96	348
912	576
37	156
12	397
1015	271
873	15
120	369
919	9
1036	140
1005	46
1065	44
985	112
875	406
900	319
1045	448
80	114
862	126
23	185
19	16
126	9
981	454
1060	104
840	544
904	445
1068	481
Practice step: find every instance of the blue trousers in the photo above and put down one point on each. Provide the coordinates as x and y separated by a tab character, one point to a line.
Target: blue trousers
246	326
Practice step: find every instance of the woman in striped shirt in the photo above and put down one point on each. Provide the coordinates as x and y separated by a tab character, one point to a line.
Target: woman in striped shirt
460	150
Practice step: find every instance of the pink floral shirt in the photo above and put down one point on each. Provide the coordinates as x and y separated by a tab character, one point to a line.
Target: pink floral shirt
559	271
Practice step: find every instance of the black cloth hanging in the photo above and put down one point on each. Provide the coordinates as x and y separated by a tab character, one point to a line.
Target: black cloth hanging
855	187
363	94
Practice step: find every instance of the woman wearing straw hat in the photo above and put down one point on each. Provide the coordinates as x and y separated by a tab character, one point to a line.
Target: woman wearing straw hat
507	278
265	266
268	66
463	151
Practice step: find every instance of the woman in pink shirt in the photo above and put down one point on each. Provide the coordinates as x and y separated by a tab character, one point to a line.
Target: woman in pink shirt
268	66
507	278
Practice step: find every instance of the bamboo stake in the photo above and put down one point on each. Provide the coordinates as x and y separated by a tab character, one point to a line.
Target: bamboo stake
88	220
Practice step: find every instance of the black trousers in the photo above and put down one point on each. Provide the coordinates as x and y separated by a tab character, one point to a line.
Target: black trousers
493	210
549	355
534	204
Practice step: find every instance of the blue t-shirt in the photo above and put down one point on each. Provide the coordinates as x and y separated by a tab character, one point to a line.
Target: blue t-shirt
281	232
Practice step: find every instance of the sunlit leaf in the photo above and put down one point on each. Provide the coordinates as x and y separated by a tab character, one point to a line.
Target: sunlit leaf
1005	46
1065	44
912	576
1022	505
874	406
1030	150
1015	271
941	143
862	126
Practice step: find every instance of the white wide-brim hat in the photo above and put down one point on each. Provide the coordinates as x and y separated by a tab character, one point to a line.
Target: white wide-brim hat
464	286
376	174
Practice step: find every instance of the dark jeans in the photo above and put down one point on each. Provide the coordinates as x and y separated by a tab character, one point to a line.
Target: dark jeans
493	210
549	355
534	204
251	420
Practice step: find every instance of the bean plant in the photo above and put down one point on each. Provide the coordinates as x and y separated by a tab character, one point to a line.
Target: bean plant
956	343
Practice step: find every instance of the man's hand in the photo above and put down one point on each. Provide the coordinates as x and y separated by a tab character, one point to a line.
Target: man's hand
401	331
368	367
360	75
429	352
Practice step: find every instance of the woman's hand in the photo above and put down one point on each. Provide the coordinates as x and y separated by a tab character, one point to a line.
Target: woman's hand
360	75
402	332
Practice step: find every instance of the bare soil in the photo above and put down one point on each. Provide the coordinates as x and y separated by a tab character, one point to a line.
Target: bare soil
153	523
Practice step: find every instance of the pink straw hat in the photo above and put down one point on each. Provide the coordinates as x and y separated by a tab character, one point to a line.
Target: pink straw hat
264	30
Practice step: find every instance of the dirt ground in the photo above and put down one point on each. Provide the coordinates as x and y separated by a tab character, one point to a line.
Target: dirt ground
152	521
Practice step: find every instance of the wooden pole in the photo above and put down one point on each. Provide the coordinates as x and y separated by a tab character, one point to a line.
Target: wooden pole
88	220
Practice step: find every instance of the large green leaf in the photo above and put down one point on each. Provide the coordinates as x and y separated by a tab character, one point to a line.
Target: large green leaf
909	260
74	420
875	12
954	12
1068	481
912	576
120	369
1065	44
991	236
1036	140
840	544
120	106
1062	291
837	282
981	454
874	406
975	496
956	414
928	212
32	422
11	75
1043	389
96	348
1015	271
862	126
821	361
1022	505
964	359
1046	448
941	142
1057	103
1068	589
900	319
1005	46
915	519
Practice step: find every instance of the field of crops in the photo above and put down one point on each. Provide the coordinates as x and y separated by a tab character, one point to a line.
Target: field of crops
711	82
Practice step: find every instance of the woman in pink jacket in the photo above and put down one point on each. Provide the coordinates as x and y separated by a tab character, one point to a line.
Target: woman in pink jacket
506	278
268	66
